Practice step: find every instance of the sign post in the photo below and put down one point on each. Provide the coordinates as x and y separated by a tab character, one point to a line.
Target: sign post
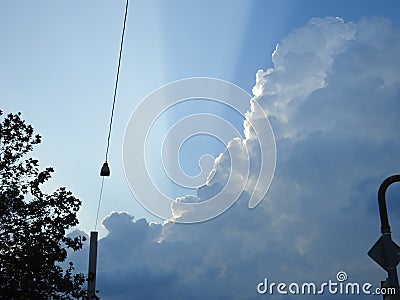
385	252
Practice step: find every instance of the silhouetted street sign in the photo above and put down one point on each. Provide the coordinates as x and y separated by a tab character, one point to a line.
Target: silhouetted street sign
385	252
377	253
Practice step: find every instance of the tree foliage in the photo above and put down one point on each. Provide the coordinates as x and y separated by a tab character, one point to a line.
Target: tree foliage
33	224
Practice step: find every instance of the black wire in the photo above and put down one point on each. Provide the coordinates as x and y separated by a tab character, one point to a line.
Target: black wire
113	106
117	78
98	206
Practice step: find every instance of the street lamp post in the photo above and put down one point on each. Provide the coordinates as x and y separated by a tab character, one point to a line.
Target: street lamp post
91	288
385	252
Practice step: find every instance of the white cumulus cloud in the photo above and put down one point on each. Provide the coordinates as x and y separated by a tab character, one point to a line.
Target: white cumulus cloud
333	100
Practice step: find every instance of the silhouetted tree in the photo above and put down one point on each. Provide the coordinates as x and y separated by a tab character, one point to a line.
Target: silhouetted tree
33	224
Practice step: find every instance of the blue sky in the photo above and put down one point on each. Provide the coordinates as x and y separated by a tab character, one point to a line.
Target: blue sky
58	63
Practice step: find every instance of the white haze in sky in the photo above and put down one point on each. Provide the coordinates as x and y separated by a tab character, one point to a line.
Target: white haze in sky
333	100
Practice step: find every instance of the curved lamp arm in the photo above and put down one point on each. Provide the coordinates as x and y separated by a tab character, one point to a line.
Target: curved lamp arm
385	227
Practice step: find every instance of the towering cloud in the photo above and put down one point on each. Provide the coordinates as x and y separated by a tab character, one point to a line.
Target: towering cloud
333	101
